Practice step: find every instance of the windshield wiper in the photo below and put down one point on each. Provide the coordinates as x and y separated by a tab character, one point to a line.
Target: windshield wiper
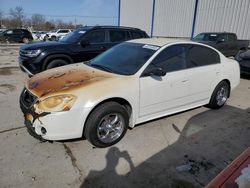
102	67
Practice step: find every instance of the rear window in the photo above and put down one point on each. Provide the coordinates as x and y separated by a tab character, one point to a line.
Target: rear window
136	34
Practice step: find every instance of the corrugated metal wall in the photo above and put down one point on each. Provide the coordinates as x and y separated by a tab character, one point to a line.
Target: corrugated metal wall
136	13
173	18
224	15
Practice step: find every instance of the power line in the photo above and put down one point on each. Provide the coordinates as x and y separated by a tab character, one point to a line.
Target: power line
69	16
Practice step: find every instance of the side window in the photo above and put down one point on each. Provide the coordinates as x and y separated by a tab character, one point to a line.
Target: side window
9	32
117	35
64	31
171	59
222	37
136	34
201	56
17	31
26	32
97	36
231	37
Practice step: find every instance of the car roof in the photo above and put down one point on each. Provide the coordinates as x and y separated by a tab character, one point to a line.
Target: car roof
157	41
216	33
107	27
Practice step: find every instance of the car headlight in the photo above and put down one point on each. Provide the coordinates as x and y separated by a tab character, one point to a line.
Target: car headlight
56	103
32	53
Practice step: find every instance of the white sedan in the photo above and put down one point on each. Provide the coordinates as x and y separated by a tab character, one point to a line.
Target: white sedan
133	82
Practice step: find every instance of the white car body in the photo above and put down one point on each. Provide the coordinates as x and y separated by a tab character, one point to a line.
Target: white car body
148	97
58	33
34	35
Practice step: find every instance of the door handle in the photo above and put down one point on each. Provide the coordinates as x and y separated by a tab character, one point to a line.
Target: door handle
184	81
102	47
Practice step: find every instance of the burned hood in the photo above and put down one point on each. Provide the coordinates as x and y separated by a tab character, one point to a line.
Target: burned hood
65	79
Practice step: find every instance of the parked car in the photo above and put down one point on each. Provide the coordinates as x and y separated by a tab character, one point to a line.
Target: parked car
2	30
16	35
81	45
227	43
54	35
243	57
35	35
42	35
131	83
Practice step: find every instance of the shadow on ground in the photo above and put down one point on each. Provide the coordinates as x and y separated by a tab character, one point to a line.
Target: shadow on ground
207	144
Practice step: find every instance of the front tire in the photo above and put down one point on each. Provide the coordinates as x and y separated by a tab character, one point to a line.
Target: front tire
53	38
56	63
220	95
106	125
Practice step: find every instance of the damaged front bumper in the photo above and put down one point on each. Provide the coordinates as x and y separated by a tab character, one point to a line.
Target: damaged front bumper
52	126
27	100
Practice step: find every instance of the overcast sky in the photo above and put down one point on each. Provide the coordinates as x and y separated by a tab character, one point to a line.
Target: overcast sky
102	12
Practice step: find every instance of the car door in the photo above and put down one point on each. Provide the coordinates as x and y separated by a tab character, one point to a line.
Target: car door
204	72
9	35
17	35
96	40
223	45
232	44
159	95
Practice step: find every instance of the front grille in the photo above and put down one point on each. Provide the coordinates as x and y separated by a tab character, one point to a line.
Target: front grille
27	98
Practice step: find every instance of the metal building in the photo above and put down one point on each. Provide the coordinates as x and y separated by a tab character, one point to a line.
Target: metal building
184	18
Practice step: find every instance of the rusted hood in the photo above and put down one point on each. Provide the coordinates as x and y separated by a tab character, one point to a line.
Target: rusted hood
65	79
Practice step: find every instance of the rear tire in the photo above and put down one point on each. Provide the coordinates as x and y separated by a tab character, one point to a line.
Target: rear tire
220	95
56	63
106	125
25	40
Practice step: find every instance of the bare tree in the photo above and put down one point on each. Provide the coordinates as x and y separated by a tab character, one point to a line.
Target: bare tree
17	16
1	18
38	21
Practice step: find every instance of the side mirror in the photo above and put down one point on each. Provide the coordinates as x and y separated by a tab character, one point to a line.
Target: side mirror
84	43
156	71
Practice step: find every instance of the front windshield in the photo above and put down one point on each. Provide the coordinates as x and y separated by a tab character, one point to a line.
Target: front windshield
126	58
206	37
73	37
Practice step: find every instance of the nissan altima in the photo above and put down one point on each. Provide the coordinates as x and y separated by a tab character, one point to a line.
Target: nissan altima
133	82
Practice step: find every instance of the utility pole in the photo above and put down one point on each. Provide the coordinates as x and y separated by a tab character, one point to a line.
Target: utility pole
75	21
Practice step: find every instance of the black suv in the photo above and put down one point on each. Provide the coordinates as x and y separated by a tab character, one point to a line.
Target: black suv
80	45
16	35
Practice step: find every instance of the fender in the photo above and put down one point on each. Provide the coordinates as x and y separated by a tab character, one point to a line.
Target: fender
56	56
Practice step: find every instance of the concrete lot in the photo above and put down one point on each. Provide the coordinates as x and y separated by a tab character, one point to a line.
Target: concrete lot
146	157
